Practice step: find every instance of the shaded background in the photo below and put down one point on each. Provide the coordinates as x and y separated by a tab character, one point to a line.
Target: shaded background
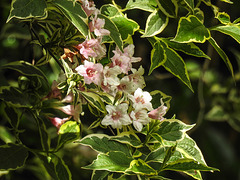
218	139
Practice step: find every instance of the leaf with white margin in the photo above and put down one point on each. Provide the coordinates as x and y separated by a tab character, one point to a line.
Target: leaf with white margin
173	129
102	143
141	167
169	8
145	5
114	161
28	9
156	23
129	138
191	29
223	55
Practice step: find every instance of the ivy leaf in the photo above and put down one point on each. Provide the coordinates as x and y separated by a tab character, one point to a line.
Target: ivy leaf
75	14
145	5
173	129
156	23
222	55
112	161
175	65
141	167
158	56
103	144
114	32
68	132
12	156
191	29
187	48
28	9
169	8
188	164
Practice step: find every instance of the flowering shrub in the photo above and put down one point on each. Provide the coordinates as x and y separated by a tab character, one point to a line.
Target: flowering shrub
95	50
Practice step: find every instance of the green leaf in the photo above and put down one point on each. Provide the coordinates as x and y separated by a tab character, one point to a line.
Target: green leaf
115	161
223	17
158	57
234	121
45	139
12	156
100	175
56	167
145	5
187	48
15	97
217	114
94	100
173	129
13	116
196	174
126	26
128	138
222	55
232	30
227	1
114	32
28	9
191	29
188	164
141	167
68	132
6	136
156	99
175	65
189	149
107	98
156	23
110	10
190	4
169	8
103	143
75	14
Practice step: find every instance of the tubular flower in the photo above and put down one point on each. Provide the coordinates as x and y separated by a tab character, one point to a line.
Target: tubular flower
139	118
72	111
92	48
141	100
91	72
88	7
96	26
158	113
57	122
117	116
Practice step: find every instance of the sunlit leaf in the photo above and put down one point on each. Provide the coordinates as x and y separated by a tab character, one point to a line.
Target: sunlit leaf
190	4
157	96
128	138
99	175
146	5
191	29
156	23
141	167
12	156
112	161
223	17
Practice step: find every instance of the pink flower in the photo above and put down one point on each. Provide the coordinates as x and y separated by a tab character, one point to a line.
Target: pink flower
88	7
141	100
139	118
111	75
129	51
158	113
117	116
55	92
126	85
72	111
92	48
57	122
91	72
137	78
96	26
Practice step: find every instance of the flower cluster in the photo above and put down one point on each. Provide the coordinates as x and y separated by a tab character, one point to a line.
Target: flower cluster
118	77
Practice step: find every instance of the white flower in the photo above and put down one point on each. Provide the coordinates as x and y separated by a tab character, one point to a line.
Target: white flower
126	85
137	78
117	116
141	100
139	118
111	75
